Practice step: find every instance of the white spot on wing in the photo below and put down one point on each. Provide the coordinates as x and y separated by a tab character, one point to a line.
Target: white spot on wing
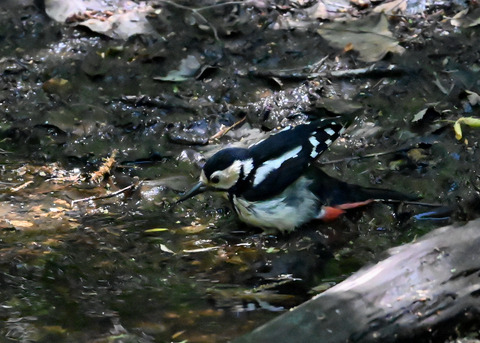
315	144
270	165
328	141
329	131
247	167
314	141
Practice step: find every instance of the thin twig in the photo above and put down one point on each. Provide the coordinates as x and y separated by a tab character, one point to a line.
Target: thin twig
110	195
224	131
5	152
406	202
22	186
353	158
196	11
316	66
370	71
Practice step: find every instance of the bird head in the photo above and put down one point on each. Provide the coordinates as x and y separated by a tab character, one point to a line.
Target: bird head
222	172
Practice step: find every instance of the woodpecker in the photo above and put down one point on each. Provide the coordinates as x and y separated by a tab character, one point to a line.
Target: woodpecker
273	184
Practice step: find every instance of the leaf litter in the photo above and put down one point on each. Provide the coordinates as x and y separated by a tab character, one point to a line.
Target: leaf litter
121	236
369	36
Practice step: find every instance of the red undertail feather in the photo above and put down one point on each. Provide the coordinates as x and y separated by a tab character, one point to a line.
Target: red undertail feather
353	204
333	212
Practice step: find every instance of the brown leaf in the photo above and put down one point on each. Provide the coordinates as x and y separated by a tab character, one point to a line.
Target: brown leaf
21	223
370	35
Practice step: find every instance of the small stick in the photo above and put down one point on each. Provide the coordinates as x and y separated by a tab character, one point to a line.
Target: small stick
224	131
406	202
348	159
110	195
196	11
22	186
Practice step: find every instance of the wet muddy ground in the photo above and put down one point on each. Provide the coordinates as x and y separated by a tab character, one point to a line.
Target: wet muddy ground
86	114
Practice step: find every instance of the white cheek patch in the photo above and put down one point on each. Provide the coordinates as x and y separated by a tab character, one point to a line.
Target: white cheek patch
228	177
268	166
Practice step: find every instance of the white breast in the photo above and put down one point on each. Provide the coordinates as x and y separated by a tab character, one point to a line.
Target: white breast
295	206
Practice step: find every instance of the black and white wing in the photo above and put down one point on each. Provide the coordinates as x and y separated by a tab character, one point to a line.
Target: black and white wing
283	158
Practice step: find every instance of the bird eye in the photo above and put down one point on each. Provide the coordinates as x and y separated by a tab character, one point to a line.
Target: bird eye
215	179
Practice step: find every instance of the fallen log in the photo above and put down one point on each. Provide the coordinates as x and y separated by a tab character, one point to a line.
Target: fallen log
423	291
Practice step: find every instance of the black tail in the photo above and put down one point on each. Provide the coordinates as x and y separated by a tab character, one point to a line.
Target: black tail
333	192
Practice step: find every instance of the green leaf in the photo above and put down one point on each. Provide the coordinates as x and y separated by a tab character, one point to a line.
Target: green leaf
158	229
471	121
458	130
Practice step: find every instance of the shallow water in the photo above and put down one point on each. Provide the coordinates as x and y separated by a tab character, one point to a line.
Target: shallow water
137	268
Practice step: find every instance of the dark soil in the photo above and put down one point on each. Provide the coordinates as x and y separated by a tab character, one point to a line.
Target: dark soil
79	265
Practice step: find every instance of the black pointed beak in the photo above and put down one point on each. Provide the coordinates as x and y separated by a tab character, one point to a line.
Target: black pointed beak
198	188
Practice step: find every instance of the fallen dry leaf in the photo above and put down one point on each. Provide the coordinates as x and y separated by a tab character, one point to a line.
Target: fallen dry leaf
392	7
370	36
20	223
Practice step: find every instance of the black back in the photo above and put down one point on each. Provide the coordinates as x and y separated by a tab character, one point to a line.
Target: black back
312	139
